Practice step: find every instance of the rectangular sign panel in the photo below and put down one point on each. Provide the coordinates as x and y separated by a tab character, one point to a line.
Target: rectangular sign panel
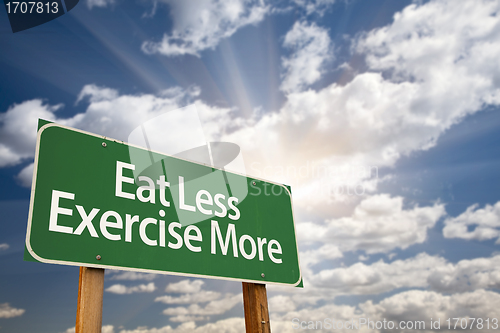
98	202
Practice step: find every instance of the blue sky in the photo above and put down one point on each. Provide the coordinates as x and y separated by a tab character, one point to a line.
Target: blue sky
409	91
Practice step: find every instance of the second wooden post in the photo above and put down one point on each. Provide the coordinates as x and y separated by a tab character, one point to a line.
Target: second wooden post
256	311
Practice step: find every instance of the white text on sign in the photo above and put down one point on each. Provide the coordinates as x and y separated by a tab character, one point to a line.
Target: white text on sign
115	227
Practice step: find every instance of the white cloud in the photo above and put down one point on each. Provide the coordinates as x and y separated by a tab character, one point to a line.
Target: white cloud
216	303
18	130
309	258
439	65
413	305
201	296
99	3
281	303
437	43
378	277
230	325
104	329
422	271
26	175
108	113
379	224
311	47
417	305
466	275
187	318
6	311
4	246
97	94
200	25
185	286
131	276
315	6
283	322
486	222
117	115
371	121
363	258
122	290
107	329
215	307
427	70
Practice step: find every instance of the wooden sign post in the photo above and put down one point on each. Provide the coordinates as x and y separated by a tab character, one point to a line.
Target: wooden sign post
255	306
89	308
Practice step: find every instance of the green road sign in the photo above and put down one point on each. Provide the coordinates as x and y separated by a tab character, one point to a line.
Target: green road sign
98	202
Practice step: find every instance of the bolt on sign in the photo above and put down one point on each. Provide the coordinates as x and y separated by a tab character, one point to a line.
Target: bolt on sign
99	202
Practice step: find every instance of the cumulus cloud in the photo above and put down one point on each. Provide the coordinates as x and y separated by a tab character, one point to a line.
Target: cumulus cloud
417	305
18	130
323	253
201	25
457	40
4	246
281	303
230	325
378	277
97	94
422	271
466	275
104	329
108	113
216	303
6	311
315	6
485	222
185	286
201	296
122	290
430	68
401	105
131	276
413	305
115	115
395	108
379	224
197	312
426	71
311	49
26	175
